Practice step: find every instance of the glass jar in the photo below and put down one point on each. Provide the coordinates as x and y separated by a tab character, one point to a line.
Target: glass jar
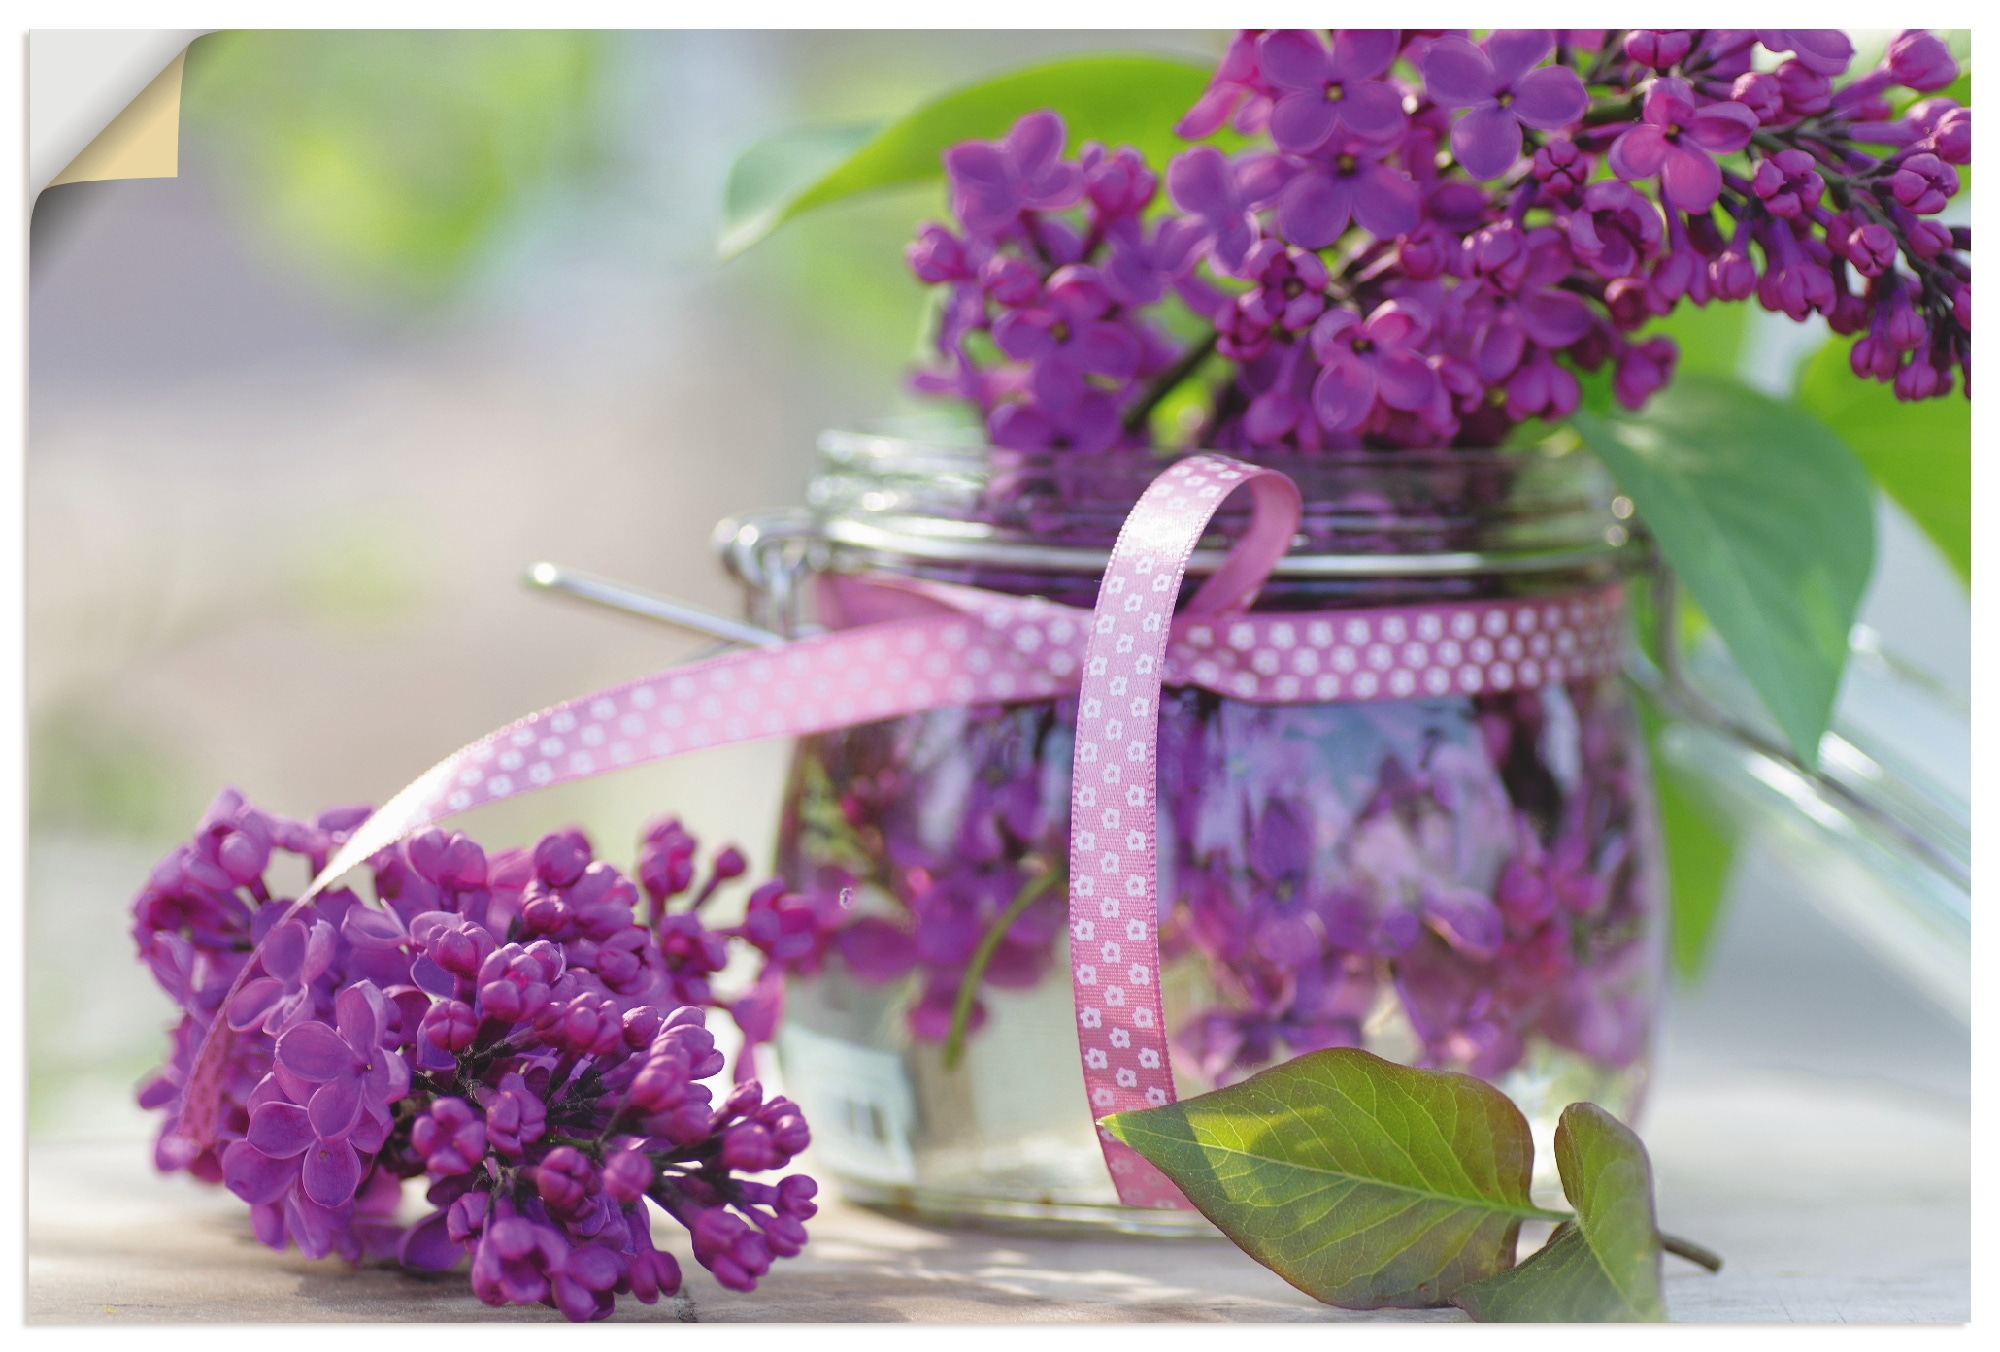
1469	881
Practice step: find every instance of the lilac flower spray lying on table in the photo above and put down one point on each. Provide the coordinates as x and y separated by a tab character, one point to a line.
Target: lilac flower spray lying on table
507	1028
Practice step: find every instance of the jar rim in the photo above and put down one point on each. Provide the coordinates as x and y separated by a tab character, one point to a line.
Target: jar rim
942	496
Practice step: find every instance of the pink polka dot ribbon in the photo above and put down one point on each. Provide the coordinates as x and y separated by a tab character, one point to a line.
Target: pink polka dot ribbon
902	646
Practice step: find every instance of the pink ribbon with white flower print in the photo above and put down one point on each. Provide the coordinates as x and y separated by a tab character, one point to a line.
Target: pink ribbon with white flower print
907	646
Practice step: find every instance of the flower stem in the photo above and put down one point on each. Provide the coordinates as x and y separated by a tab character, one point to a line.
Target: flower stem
1167	381
1693	1252
968	986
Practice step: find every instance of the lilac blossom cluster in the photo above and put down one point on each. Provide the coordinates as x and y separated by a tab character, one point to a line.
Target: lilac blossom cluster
951	829
1416	878
1466	869
1437	236
507	1027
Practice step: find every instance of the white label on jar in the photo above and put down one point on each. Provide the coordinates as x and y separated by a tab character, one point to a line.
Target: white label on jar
857	1101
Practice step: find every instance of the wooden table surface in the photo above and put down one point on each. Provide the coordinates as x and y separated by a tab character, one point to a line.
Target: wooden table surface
1831	1201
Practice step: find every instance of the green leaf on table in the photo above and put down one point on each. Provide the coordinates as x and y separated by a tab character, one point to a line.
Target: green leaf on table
1768	520
1921	453
1131	99
1359	1181
1603	1266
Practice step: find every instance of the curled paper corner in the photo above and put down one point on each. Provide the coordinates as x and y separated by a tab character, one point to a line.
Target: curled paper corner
143	141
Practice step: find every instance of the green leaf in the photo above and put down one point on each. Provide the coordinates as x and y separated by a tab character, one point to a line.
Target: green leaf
1700	847
1361	1182
1768	520
1602	1267
1921	453
1120	100
767	176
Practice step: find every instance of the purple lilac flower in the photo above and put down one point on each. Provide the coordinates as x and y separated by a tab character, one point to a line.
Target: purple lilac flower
1502	86
1363	360
1354	185
379	1044
1677	141
992	184
1324	91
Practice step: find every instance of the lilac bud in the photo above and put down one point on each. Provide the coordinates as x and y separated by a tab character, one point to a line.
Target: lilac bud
243	855
1806	92
1920	380
450	1026
1010	280
1871	249
795	1196
1732	276
1626	299
564	1180
1872	358
936	255
1961	306
1926	239
1920	61
1905	328
1641	369
1761	93
450	1137
1117	184
627	1175
747	1146
1924	183
467	1218
1422	255
1788	183
642	1025
515	1117
1659	48
561	857
1952	137
1561	168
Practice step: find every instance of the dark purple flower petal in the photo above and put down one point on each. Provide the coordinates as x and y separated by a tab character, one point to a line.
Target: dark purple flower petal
314	1052
874	949
428	1247
1364	53
1405	381
280	1130
1550	97
331	1173
1638	153
1387	202
1344	394
358	1014
1691	180
1315	209
1554	318
1301	121
285	951
1456	73
254	1176
1371	109
1515	51
253	1003
1198	181
1486	141
1294	59
334	1108
1105	350
1723	128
